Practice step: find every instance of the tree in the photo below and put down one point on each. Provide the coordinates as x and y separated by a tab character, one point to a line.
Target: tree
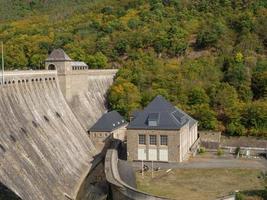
121	46
205	116
197	95
124	97
97	61
239	76
259	80
209	35
254	117
229	109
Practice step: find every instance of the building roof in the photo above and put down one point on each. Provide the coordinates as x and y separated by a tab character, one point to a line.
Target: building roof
109	122
58	55
164	115
78	64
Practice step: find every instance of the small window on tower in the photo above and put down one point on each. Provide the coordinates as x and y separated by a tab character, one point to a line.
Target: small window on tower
51	67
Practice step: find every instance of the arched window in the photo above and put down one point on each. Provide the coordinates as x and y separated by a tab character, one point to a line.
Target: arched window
51	67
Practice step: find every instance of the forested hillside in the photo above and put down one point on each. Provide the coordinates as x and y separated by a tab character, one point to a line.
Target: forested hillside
208	57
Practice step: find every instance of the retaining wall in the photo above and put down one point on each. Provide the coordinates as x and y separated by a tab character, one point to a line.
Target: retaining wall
119	189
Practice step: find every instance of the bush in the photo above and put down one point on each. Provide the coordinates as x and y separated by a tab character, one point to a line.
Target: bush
240	196
235	129
201	150
220	152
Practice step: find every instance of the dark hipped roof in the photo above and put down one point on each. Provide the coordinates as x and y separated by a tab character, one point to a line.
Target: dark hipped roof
168	116
58	55
109	122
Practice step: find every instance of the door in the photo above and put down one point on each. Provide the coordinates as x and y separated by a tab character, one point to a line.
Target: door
152	154
141	154
163	154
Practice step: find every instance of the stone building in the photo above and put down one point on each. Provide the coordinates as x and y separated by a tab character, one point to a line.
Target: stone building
161	132
110	125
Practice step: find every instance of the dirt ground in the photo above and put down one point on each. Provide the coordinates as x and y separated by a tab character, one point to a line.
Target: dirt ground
200	184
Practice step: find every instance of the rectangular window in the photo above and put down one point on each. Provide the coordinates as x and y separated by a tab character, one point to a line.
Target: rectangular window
163	140
153	140
142	139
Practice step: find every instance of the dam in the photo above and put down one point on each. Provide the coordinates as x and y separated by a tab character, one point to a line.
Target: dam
45	152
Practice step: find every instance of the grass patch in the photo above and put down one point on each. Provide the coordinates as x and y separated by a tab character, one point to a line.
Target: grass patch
200	184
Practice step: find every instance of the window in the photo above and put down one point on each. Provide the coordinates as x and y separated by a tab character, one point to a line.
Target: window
51	67
142	139
153	119
153	140
163	140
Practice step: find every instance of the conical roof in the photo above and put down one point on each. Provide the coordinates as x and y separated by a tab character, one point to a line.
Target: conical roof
58	55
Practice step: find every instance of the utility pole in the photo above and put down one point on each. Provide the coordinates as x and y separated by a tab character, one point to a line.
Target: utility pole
3	63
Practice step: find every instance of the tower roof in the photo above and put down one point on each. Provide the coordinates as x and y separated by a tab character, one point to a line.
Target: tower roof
58	55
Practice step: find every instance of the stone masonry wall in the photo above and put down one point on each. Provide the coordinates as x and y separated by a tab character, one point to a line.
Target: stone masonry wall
173	143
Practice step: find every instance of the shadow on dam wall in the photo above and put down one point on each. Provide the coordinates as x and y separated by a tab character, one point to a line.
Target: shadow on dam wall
44	151
89	102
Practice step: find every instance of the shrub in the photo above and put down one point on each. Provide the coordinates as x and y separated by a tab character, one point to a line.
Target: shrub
201	150
240	196
220	152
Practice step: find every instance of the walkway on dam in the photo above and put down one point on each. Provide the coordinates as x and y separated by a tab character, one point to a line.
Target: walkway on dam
259	163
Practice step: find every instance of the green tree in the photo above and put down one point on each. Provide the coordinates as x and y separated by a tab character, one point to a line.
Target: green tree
239	76
97	61
254	117
209	35
259	80
197	95
124	97
205	116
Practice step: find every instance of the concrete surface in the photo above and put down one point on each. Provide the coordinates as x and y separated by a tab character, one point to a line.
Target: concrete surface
45	153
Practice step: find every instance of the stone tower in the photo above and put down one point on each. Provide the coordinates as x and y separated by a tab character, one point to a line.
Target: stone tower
58	60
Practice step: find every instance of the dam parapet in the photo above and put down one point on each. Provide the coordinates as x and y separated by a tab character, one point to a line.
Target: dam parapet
13	77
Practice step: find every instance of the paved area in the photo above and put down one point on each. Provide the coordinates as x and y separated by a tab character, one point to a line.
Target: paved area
209	163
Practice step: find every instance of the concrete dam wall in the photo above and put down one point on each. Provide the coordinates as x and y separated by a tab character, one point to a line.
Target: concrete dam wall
85	92
44	152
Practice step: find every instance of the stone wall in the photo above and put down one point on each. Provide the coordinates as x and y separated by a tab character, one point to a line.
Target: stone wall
101	140
210	139
173	143
119	189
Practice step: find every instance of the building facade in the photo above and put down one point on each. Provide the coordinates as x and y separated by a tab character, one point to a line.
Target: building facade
110	126
161	132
